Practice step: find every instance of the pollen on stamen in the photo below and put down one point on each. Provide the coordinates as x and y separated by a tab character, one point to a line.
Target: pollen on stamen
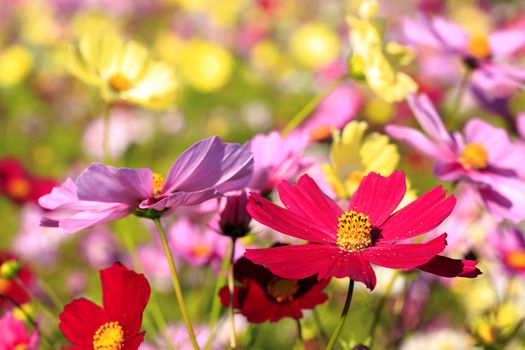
109	336
474	156
158	183
119	82
479	47
354	231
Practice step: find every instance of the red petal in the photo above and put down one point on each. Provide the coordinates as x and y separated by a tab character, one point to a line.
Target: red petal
447	267
286	221
377	196
405	256
80	320
258	308
301	261
125	295
420	216
134	342
308	201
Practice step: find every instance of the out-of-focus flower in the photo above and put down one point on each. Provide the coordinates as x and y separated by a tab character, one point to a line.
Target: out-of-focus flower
262	296
17	184
234	219
440	339
509	245
104	193
99	248
479	51
15	335
179	337
314	45
205	66
117	324
122	71
344	243
376	60
486	157
352	156
276	158
15	65
10	287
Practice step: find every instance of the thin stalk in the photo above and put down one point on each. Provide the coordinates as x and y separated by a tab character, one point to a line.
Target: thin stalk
311	105
45	308
319	325
176	284
379	308
233	344
459	98
343	316
299	332
105	132
51	294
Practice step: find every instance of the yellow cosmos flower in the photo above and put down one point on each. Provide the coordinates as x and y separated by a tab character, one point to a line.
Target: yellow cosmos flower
377	62
315	45
15	65
353	155
122	71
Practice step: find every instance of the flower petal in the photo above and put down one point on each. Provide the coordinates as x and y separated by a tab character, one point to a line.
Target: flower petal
507	42
377	196
80	320
447	267
418	217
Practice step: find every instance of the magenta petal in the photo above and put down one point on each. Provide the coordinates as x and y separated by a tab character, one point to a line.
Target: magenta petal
428	118
65	193
420	142
308	201
75	221
507	42
180	199
103	183
377	196
286	221
404	256
447	267
418	217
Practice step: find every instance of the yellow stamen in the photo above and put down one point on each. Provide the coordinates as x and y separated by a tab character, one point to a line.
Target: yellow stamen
282	290
354	231
479	46
158	183
201	250
119	82
21	347
355	177
320	133
474	156
109	336
516	259
18	188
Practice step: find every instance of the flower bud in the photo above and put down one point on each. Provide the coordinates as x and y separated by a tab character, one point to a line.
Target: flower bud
10	269
234	218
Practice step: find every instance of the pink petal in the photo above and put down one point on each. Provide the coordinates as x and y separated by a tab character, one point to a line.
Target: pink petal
404	256
420	142
418	217
377	196
447	267
428	118
286	221
507	42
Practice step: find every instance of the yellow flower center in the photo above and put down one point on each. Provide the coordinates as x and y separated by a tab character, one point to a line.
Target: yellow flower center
354	232
119	82
479	46
158	183
320	133
21	347
109	336
355	177
516	259
4	285
282	290
18	188
201	250
474	156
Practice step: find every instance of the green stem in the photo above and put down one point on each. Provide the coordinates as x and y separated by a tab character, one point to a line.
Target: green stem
299	332
459	98
176	284
45	308
233	344
310	106
51	294
319	325
379	308
105	132
342	318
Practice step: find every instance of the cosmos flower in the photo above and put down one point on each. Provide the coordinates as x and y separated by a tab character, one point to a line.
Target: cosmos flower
509	247
11	288
485	157
122	71
344	243
15	335
103	193
480	52
115	325
261	296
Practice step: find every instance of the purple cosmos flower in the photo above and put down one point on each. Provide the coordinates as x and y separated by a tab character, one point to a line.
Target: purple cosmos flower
484	156
509	244
103	193
484	54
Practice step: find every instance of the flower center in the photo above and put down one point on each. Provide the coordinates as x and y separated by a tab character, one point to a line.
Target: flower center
21	347
479	46
119	82
158	183
354	232
474	156
516	259
4	285
201	250
355	177
109	336
282	290
18	188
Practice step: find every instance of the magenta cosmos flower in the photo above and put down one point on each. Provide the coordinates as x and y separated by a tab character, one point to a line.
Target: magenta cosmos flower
485	54
344	243
484	156
103	193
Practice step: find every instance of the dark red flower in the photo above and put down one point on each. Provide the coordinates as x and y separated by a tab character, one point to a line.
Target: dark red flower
10	289
234	219
20	186
262	296
344	243
116	325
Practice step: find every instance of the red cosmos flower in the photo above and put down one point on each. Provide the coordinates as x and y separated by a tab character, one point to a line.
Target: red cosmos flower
116	325
18	185
10	289
344	243
262	296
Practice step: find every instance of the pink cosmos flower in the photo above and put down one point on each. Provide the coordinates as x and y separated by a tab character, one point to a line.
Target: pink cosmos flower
485	157
483	54
103	193
276	158
15	335
345	243
509	246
